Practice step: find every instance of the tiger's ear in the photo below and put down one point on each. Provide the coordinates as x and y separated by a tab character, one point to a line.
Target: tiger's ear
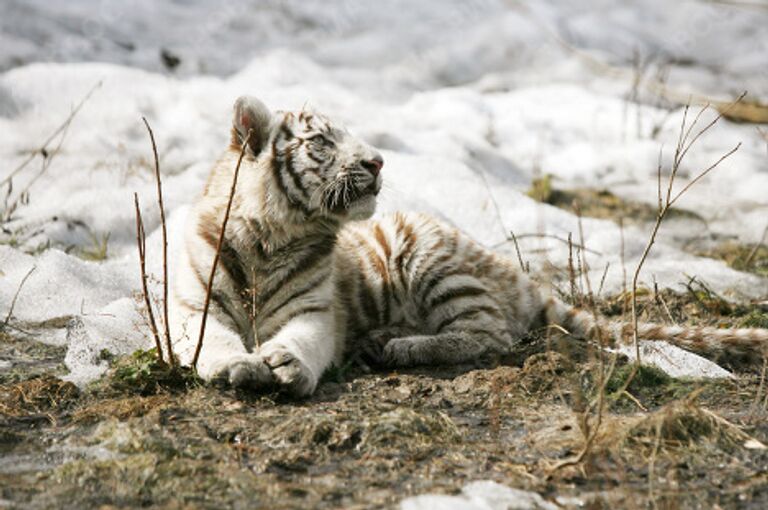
251	114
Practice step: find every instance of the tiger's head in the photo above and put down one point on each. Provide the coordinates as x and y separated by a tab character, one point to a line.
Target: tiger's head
319	167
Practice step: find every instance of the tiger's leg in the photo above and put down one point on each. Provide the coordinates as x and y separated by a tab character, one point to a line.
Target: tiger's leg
472	335
223	355
301	351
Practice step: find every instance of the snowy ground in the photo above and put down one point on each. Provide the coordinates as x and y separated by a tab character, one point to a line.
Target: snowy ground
469	101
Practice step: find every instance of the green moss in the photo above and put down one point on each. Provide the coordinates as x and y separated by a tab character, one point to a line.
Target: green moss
143	373
98	250
756	318
541	189
650	386
645	377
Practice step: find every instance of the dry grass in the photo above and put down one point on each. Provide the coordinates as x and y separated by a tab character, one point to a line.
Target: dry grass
40	395
121	408
368	440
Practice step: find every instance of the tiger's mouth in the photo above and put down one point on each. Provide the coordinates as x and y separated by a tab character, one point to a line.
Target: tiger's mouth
347	197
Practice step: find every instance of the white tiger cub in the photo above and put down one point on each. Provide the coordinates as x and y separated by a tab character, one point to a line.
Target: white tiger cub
300	287
271	318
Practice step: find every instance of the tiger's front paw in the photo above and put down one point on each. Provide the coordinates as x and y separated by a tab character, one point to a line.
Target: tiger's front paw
289	371
240	371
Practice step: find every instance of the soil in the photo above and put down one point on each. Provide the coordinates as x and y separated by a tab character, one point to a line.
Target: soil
146	436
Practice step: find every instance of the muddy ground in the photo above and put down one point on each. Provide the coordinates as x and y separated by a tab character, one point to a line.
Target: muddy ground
142	437
146	437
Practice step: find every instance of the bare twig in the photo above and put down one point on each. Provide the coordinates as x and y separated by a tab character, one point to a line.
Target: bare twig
16	296
519	255
751	256
571	270
23	195
660	300
167	331
556	238
602	278
42	150
764	135
496	208
665	203
590	427
141	242
209	288
761	387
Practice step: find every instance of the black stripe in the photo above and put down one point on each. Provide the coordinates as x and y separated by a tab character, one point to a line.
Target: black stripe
233	265
286	131
385	311
455	293
437	277
268	314
317	254
304	311
276	164
365	296
292	172
464	314
277	174
314	158
254	227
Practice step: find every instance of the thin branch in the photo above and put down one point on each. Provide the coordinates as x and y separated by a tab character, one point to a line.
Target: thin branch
760	243
43	148
209	288
561	239
16	296
720	115
517	249
571	270
167	331
142	246
9	209
496	207
704	173
665	204
602	278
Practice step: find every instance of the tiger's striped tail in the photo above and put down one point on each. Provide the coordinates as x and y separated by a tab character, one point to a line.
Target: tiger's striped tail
738	343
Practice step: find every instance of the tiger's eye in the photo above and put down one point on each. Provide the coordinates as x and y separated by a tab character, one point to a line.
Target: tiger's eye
321	140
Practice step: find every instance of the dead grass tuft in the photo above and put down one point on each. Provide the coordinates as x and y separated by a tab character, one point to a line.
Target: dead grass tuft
739	256
408	428
43	394
684	425
119	408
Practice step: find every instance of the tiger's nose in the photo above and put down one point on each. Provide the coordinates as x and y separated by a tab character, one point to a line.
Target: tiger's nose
373	165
